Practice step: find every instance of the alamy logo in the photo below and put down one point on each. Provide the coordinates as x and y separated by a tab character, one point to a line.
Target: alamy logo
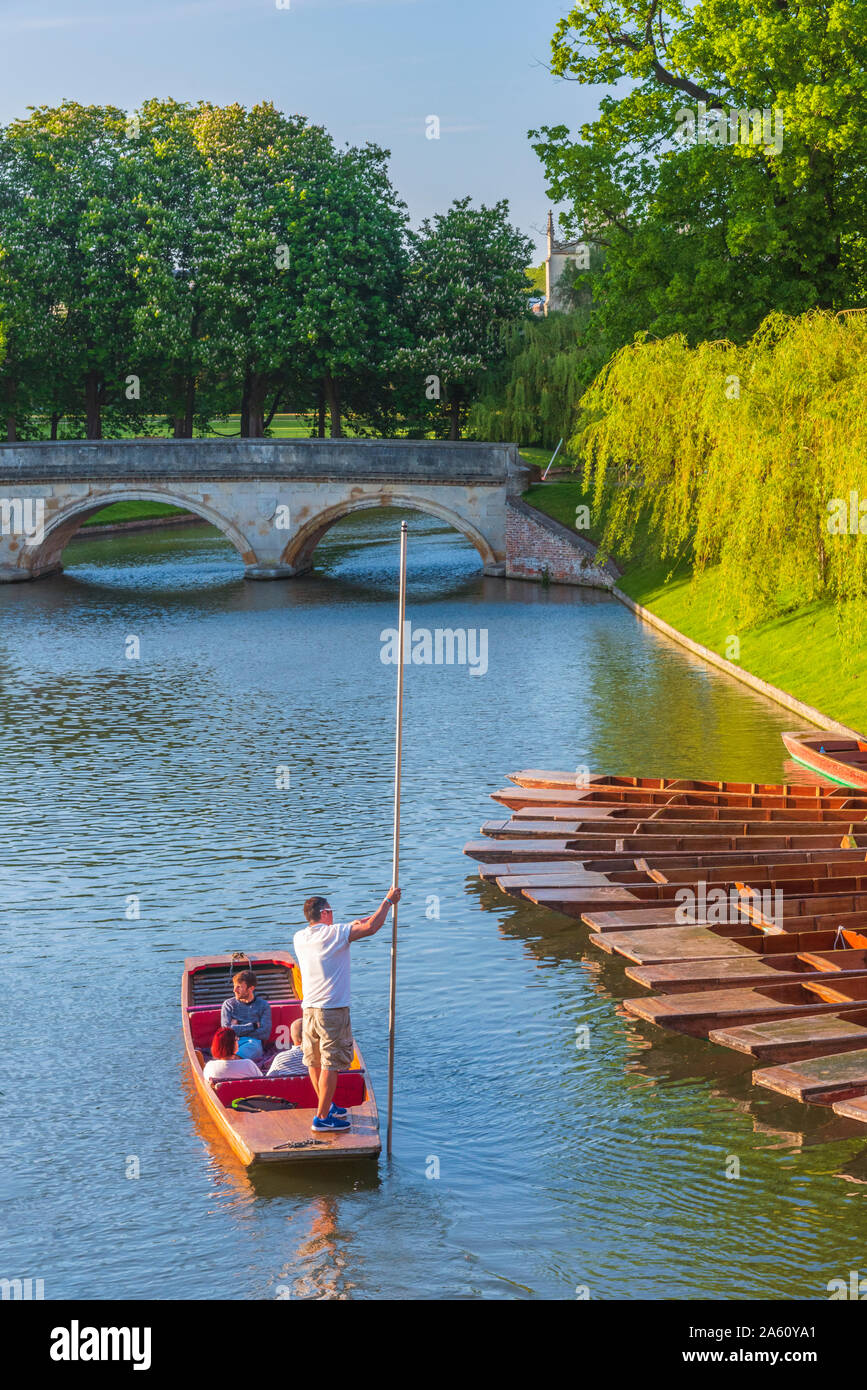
22	1289
856	1287
445	646
23	516
725	906
739	126
77	1343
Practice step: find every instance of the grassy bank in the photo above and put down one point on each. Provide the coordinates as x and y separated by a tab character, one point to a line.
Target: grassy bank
119	512
799	651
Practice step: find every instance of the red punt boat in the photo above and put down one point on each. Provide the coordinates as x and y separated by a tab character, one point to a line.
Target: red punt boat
844	760
270	1135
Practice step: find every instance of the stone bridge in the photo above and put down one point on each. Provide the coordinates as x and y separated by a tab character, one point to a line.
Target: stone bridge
273	499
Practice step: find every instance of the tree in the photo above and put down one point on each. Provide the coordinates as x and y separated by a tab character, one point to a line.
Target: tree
71	179
351	261
710	219
467	283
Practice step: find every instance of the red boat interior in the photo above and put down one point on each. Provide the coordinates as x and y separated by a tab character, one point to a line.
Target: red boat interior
209	985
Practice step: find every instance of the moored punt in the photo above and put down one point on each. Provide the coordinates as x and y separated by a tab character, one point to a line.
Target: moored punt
683	818
270	1136
853	1108
799	914
577	781
843	760
714	941
819	1080
589	846
793	1039
700	1013
753	968
544	801
624	890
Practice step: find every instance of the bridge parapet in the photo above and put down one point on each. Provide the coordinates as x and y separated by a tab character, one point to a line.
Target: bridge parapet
320	460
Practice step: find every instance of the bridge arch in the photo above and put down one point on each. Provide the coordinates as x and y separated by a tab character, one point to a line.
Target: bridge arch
298	555
62	526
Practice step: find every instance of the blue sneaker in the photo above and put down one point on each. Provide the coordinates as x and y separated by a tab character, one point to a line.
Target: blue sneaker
331	1124
338	1112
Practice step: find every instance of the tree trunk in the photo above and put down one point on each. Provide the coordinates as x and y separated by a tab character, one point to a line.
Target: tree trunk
183	424
56	418
455	412
245	407
93	405
320	414
332	396
253	406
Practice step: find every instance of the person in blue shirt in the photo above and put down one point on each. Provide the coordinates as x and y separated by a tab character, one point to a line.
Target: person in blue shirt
248	1015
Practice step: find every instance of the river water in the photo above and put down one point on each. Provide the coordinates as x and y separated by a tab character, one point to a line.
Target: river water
524	1167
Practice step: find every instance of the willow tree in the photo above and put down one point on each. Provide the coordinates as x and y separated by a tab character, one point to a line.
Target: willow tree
751	459
533	396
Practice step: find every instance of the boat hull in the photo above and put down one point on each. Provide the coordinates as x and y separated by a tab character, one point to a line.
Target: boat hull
279	1136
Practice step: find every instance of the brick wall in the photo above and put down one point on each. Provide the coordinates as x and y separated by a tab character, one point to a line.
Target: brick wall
537	545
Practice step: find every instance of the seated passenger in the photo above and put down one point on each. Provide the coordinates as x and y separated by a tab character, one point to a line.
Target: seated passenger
290	1063
225	1064
248	1015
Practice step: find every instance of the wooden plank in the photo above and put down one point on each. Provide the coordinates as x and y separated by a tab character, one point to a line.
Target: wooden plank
854	1108
536	777
697	1014
661	945
795	1039
818	1080
519	799
729	972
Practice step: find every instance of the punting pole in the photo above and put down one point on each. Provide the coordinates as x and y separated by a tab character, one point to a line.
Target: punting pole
395	860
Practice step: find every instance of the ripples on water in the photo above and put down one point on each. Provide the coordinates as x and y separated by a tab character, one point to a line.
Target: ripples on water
559	1168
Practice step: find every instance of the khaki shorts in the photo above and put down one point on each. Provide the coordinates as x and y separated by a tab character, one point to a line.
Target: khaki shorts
327	1039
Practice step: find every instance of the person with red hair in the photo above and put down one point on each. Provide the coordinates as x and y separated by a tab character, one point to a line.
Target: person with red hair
225	1065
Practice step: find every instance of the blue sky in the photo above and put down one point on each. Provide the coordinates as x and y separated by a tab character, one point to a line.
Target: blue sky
366	69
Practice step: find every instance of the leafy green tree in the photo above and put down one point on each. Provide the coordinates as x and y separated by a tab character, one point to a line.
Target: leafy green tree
467	284
351	256
710	221
250	256
72	179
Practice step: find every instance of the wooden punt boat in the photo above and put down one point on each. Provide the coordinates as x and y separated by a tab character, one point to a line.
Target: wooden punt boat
624	890
681	818
795	1039
842	760
270	1136
715	941
536	778
560	803
752	968
652	839
707	1010
853	1108
822	1080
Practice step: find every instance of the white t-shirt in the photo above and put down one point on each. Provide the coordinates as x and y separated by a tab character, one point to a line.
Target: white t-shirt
323	955
230	1069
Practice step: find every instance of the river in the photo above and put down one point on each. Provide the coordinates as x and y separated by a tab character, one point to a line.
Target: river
524	1167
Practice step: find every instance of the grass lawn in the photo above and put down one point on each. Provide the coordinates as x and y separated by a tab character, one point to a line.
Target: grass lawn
131	511
799	652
